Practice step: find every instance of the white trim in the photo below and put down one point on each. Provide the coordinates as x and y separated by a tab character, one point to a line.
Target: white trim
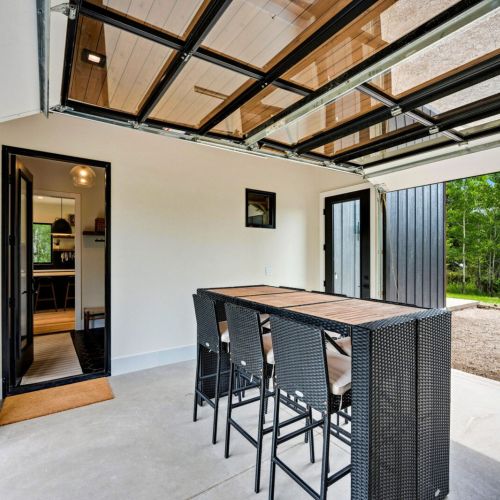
152	359
425	158
78	247
375	239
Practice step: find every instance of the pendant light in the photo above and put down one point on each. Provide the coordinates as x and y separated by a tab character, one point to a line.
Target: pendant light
83	176
61	225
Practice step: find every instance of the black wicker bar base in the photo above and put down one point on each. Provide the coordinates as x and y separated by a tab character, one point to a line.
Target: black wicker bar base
399	394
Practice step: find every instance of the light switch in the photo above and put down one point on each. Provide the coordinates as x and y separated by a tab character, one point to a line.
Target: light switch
268	270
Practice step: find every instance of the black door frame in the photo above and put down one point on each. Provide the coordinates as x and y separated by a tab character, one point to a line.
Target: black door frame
364	197
23	359
7	325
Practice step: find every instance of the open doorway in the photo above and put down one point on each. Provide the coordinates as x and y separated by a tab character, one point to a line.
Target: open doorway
56	327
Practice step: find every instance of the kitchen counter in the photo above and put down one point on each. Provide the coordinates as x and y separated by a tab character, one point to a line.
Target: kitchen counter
52	273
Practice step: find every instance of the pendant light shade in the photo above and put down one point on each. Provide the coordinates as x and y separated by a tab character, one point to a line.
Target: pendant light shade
83	176
61	225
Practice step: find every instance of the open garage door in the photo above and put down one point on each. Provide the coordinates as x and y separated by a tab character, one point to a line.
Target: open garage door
414	263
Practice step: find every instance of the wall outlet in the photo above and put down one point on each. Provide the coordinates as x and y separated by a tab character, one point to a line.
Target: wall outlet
268	270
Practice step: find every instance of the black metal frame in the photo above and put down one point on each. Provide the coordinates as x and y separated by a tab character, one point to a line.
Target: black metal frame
364	206
192	47
330	28
443	17
7	387
272	210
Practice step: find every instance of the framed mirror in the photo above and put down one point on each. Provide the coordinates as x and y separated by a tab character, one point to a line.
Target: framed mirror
260	209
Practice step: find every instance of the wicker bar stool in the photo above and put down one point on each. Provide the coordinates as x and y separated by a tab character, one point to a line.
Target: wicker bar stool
251	355
319	378
212	335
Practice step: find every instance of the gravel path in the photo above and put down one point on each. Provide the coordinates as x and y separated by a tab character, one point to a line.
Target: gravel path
475	346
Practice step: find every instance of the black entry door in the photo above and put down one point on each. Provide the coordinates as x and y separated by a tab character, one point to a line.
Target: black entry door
21	275
347	244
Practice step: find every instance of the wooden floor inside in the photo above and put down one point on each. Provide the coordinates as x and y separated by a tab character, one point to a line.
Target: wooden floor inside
53	321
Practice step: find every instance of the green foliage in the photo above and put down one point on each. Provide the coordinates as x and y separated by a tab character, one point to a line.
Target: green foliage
479	298
42	243
473	235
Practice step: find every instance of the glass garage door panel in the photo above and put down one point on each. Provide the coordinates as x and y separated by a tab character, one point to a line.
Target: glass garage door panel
113	68
346	248
171	16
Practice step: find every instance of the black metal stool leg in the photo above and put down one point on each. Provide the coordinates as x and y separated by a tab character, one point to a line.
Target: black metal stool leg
216	400
196	384
260	433
266	402
325	466
274	444
310	434
239	384
53	295
229	410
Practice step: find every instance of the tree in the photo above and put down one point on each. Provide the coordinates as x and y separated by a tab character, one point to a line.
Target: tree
473	234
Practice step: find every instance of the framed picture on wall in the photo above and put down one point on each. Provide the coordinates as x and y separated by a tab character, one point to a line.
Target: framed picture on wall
260	209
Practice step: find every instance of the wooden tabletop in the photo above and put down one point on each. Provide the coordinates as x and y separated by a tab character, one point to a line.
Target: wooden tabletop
330	307
293	299
244	291
355	311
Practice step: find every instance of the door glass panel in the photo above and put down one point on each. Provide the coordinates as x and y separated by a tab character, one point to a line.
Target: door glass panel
201	89
267	103
261	33
171	16
113	68
346	248
347	107
478	41
381	25
24	263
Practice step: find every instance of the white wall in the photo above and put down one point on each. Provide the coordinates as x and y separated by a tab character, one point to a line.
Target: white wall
178	223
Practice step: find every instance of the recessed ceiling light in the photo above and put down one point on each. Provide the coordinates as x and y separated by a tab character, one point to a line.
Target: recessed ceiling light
93	58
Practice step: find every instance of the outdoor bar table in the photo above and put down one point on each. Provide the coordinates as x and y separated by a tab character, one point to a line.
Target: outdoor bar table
400	425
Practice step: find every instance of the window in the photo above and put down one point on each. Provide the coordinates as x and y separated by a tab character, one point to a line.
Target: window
260	209
42	243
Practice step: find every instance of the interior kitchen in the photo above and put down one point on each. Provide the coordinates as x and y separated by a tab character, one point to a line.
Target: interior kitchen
67	299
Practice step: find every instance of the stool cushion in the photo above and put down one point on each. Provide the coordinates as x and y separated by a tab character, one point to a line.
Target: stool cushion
267	343
339	372
223	331
264	317
344	343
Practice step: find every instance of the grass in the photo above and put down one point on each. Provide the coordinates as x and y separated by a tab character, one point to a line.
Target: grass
480	298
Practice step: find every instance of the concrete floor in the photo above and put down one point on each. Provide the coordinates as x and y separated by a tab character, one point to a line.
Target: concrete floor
144	445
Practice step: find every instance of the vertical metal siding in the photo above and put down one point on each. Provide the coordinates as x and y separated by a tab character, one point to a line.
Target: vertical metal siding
414	246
